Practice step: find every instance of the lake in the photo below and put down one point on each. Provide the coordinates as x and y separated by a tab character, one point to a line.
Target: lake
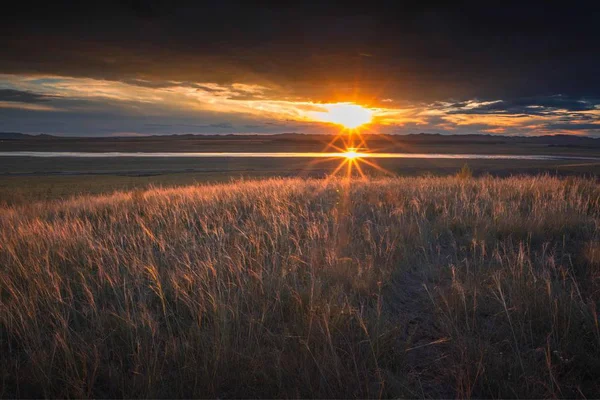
78	154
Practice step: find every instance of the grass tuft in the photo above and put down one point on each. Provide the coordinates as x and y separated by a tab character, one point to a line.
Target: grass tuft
399	287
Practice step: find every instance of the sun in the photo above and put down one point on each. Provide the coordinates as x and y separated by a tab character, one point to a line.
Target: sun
351	154
349	115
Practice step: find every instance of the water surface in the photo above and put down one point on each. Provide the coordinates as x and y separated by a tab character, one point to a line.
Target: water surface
80	154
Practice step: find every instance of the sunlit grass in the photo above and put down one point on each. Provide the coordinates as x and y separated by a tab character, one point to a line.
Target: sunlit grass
400	287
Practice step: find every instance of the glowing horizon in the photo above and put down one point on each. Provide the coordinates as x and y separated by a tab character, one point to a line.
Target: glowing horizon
67	105
348	115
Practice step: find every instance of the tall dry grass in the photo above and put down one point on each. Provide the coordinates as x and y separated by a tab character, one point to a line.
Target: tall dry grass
416	287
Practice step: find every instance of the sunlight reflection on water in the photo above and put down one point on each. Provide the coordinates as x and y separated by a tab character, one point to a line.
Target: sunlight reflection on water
78	154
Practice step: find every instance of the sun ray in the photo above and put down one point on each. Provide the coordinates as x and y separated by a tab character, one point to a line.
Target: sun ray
305	171
363	142
383	136
331	143
339	149
349	169
339	167
355	147
359	169
377	167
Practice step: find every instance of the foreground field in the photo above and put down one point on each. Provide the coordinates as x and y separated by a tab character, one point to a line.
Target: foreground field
407	287
27	179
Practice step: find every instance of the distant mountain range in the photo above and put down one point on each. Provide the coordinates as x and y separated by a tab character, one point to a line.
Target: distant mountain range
421	138
20	136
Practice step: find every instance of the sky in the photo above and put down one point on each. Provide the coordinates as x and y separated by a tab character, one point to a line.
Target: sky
157	67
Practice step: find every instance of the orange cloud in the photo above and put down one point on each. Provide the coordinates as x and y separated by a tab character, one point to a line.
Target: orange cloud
175	98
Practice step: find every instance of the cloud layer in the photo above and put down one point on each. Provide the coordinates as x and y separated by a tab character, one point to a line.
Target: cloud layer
233	67
86	106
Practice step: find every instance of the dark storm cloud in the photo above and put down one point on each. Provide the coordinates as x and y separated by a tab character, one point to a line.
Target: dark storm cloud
578	117
575	126
221	125
425	51
528	106
229	66
22	96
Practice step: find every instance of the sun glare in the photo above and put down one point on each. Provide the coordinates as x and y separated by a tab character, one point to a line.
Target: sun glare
351	154
348	115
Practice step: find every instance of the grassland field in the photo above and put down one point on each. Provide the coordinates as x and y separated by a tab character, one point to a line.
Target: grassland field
27	179
450	286
240	277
